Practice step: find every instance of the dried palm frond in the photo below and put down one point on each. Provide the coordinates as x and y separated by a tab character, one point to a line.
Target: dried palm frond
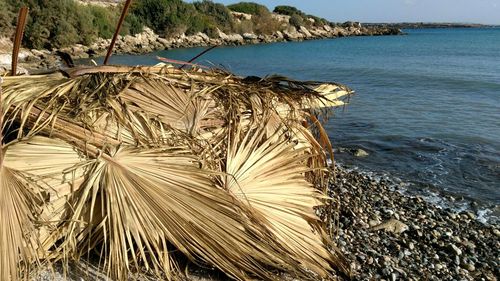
267	174
147	165
32	174
19	206
55	171
154	201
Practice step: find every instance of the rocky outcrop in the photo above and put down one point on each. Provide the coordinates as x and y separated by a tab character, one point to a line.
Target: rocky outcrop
241	16
147	41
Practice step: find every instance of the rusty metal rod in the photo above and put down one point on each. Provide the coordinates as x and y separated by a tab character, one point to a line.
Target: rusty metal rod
117	31
21	24
197	56
1	124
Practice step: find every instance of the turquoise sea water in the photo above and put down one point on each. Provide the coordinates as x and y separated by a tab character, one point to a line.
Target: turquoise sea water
427	105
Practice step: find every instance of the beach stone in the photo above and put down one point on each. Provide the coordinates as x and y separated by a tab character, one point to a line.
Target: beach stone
435	242
393	226
370	260
469	245
496	232
471	215
469	267
455	250
373	223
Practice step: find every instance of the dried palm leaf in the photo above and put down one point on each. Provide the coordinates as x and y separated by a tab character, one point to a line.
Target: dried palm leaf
267	174
141	205
56	170
157	162
19	205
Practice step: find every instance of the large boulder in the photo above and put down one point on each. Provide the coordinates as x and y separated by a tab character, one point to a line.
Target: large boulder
265	38
164	42
241	16
195	40
305	31
292	34
281	18
203	36
5	59
340	32
279	35
230	38
41	53
318	32
249	36
235	38
221	35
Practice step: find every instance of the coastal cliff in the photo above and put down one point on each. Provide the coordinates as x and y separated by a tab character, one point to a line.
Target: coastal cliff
148	41
238	24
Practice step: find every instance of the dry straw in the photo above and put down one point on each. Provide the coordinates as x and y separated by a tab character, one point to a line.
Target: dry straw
148	168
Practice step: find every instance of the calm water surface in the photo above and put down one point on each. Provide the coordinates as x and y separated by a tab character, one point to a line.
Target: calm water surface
427	105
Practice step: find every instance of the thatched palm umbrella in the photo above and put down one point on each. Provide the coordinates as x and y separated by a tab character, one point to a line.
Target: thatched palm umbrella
149	166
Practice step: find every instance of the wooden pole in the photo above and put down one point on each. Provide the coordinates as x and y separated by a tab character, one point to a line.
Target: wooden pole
21	24
117	31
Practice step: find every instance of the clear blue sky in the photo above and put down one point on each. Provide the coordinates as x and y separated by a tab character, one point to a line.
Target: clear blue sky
470	11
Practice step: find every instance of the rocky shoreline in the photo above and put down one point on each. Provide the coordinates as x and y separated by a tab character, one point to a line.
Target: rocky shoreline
390	236
386	235
148	41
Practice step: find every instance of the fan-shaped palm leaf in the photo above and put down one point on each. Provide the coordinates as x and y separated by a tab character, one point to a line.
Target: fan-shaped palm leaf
55	170
144	204
267	174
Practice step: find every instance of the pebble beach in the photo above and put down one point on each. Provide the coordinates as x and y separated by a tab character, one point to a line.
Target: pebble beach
391	236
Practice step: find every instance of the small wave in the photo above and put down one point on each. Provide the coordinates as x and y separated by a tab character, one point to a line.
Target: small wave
484	214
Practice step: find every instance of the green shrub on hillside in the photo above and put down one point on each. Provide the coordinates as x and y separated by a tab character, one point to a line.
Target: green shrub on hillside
60	23
57	24
166	17
288	11
319	21
266	24
202	23
296	20
249	8
104	21
300	18
262	20
7	18
173	17
219	13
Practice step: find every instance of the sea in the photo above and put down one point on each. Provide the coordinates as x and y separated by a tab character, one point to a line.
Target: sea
426	107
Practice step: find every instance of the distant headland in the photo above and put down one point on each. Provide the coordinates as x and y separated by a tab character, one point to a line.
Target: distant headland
419	25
